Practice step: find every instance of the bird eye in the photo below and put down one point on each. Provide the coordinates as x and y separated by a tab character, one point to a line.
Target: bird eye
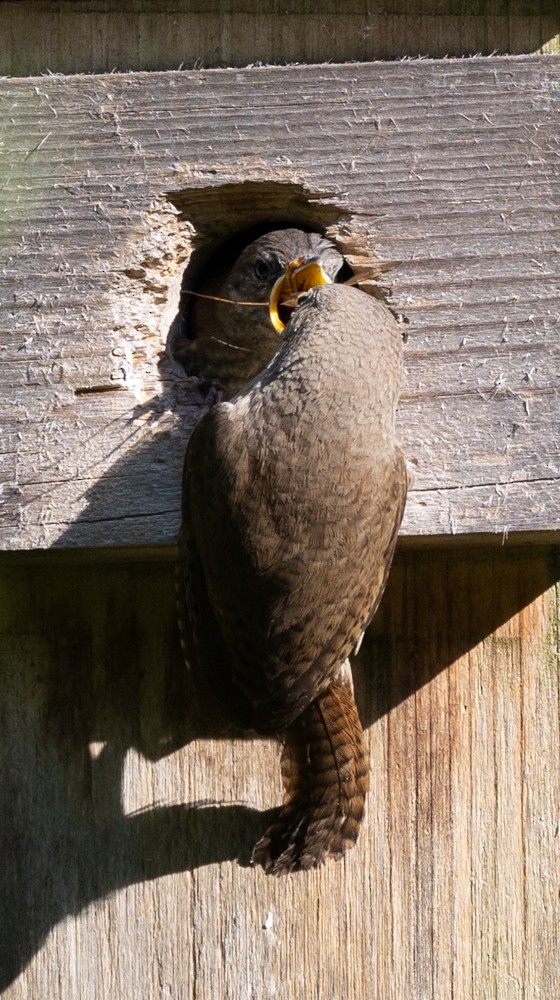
263	268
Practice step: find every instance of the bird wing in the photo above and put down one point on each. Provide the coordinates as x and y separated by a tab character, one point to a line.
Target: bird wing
281	573
219	699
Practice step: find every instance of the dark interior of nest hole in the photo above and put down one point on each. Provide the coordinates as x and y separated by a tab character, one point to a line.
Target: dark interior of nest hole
203	342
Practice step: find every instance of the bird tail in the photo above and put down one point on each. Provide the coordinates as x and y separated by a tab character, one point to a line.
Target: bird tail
326	778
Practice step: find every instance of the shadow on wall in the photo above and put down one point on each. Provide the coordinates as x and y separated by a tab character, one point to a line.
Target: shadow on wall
91	656
92	661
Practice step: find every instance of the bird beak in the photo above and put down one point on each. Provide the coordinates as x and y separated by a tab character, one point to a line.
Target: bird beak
299	276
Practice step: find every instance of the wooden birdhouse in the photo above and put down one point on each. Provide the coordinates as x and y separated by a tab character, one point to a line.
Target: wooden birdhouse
136	140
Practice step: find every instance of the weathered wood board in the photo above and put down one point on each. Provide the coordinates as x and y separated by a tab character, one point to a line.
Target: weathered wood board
451	168
75	36
126	830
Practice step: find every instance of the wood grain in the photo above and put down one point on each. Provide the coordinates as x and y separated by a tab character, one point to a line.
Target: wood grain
78	36
126	828
449	167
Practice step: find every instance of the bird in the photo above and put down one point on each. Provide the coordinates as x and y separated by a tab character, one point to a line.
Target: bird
225	343
293	494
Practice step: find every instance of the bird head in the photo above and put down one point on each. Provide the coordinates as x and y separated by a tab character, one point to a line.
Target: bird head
242	304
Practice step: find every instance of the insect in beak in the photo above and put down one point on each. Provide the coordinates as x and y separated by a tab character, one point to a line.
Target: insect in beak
299	276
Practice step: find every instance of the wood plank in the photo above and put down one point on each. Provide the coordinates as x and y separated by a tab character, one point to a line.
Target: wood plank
449	167
78	36
126	827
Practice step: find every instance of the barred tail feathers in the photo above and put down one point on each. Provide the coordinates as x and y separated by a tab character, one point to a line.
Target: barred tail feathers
326	778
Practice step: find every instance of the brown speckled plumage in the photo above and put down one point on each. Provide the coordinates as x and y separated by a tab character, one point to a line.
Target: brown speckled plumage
326	777
292	498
